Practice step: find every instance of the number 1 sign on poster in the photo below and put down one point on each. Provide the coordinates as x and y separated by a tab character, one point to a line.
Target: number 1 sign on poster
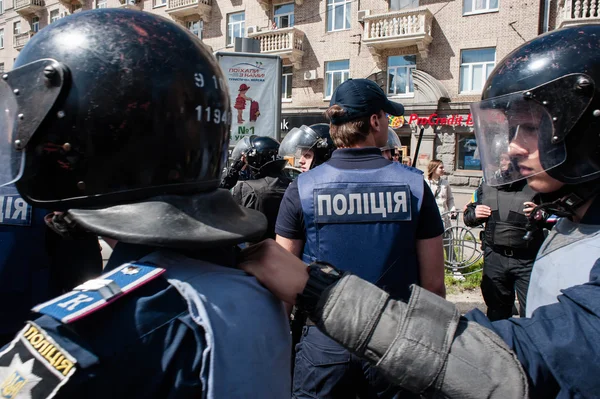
254	88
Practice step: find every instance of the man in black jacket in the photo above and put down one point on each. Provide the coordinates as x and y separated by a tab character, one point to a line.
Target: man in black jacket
508	257
264	191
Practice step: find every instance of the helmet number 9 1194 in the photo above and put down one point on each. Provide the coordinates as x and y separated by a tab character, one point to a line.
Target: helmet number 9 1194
211	115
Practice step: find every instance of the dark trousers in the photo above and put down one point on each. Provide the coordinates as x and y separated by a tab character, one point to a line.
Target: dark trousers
325	370
504	273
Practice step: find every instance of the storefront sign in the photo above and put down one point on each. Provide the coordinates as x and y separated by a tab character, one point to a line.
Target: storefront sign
437	120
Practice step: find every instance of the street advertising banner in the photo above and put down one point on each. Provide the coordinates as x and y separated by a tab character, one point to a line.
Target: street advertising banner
254	82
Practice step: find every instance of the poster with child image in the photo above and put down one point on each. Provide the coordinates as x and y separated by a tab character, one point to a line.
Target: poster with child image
254	88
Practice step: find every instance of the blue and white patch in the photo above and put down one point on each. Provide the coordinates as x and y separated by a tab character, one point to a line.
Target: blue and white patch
34	366
363	204
98	293
14	210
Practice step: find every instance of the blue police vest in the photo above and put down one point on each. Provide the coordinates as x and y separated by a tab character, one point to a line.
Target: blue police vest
364	221
247	331
24	261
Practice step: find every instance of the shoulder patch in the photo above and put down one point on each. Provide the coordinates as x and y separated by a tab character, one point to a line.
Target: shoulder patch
98	293
34	365
14	210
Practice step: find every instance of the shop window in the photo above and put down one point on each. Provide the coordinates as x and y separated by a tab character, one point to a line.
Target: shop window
467	153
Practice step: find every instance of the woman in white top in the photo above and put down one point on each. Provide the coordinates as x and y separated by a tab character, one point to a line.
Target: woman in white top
441	189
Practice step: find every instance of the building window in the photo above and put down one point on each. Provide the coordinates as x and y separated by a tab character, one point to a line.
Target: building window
475	67
160	3
17	28
338	14
400	68
396	5
54	16
466	152
35	24
1	67
236	26
1	38
286	82
1	6
336	73
196	27
283	15
101	3
479	6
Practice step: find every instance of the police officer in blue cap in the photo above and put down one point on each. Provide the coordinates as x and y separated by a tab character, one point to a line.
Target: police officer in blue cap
376	217
95	124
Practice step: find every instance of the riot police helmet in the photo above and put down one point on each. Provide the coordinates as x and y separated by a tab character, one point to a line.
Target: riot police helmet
261	154
392	146
300	141
93	117
543	99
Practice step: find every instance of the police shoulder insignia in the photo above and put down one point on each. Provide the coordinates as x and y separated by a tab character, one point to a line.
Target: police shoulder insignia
34	365
98	293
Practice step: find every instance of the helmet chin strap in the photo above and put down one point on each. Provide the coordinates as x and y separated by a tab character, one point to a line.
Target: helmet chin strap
562	203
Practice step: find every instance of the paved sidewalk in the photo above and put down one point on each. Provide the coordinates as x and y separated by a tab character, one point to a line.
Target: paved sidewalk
468	300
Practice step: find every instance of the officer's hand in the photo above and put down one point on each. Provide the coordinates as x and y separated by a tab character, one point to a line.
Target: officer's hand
277	269
529	206
483	211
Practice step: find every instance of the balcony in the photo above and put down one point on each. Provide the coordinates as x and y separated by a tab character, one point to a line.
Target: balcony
21	39
26	7
399	29
186	8
578	12
285	42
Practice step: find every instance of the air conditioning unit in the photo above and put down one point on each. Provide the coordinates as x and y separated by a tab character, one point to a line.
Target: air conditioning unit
362	14
253	29
310	75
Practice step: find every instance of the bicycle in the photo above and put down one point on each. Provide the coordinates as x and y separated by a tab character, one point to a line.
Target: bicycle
461	247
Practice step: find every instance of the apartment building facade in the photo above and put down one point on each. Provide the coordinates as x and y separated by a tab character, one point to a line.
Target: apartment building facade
431	55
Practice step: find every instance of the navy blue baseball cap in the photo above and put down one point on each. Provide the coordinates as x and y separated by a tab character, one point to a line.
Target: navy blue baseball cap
362	97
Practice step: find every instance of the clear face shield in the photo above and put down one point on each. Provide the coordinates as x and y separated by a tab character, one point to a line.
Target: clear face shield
27	94
299	144
11	160
521	135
